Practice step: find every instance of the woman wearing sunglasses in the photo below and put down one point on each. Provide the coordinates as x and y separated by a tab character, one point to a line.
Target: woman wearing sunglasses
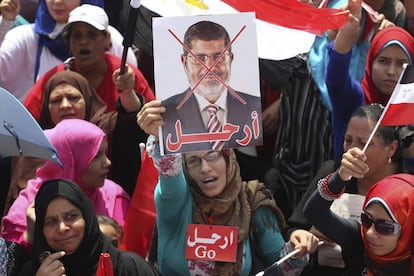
382	157
381	243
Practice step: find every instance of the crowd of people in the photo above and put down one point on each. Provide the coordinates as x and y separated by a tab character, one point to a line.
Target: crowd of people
326	199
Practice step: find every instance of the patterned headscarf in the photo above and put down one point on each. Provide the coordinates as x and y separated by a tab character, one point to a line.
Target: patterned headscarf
234	206
396	194
383	39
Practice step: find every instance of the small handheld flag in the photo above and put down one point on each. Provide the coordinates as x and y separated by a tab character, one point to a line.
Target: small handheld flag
399	109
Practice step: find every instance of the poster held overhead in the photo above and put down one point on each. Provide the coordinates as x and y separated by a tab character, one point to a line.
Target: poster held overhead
210	61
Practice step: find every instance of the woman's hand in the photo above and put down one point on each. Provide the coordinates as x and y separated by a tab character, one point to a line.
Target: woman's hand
353	164
384	23
126	81
51	266
150	117
30	222
9	9
305	241
349	32
126	84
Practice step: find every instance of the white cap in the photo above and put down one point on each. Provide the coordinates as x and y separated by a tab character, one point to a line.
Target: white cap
90	14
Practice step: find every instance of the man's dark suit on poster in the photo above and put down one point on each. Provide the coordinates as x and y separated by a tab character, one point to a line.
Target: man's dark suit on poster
192	122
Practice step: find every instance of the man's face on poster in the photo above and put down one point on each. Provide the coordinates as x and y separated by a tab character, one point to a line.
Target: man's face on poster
211	87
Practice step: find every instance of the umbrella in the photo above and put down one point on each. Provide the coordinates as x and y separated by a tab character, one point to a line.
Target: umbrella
20	134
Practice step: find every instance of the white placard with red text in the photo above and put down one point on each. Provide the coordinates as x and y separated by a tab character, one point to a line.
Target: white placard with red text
211	242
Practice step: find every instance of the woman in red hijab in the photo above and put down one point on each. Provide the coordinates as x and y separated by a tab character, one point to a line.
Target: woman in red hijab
394	41
382	242
389	203
390	48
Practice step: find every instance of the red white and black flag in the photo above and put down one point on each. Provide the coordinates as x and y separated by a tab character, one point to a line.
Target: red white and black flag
400	107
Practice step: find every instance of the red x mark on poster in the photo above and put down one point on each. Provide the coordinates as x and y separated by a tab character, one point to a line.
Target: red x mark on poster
209	69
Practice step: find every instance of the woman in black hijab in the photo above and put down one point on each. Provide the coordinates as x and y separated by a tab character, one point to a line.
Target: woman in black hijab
73	224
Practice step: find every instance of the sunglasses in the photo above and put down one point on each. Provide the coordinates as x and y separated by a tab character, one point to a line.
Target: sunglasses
382	227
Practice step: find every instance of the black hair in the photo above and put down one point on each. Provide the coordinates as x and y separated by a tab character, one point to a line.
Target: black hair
205	30
105	220
388	134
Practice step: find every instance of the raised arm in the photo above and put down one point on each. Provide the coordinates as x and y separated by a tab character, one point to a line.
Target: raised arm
125	83
409	9
343	231
349	32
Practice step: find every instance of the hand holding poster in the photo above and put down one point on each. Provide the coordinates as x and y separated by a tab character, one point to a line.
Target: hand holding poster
199	78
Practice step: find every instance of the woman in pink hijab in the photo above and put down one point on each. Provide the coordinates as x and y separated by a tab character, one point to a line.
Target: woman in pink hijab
81	147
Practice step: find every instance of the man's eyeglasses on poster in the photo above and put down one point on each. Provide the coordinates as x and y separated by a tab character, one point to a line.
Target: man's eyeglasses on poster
205	58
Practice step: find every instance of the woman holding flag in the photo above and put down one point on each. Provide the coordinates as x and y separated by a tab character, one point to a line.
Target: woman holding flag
389	50
382	241
381	159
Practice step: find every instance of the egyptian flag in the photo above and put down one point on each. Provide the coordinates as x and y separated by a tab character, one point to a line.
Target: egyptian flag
293	14
289	21
400	107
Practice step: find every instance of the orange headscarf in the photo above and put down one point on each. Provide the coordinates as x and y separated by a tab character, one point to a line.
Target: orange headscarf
396	194
384	38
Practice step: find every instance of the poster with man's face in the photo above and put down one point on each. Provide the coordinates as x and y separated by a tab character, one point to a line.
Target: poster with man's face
207	76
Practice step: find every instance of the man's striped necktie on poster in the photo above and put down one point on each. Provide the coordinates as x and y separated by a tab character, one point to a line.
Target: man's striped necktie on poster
214	125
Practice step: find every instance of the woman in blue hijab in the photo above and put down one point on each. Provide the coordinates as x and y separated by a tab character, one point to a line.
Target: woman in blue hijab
47	27
28	51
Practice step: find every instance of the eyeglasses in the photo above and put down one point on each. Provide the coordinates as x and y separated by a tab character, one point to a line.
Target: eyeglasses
382	227
195	161
204	58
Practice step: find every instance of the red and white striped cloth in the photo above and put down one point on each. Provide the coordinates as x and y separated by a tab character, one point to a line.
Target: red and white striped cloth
400	107
285	28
